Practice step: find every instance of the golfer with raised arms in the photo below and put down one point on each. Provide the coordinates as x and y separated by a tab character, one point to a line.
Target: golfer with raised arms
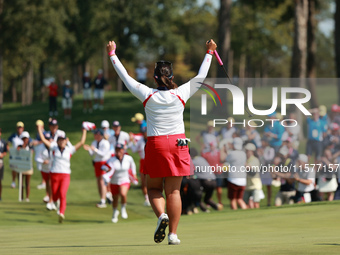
61	152
167	157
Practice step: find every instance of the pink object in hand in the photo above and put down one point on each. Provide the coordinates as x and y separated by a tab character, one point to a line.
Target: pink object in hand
218	58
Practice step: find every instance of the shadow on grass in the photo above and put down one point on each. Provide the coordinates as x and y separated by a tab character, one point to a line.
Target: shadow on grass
25	220
90	246
328	244
20	213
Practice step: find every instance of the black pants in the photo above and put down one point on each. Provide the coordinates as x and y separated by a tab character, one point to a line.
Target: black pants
53	104
208	188
191	193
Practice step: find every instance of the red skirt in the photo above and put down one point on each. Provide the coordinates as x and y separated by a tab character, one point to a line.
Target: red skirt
163	158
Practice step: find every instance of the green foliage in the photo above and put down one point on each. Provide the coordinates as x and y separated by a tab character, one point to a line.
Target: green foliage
60	35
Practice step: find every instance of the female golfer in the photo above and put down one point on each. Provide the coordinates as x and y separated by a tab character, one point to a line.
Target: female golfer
167	157
60	168
121	163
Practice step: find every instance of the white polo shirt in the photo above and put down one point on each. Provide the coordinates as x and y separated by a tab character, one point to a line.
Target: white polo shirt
41	157
61	161
102	151
120	169
123	138
163	108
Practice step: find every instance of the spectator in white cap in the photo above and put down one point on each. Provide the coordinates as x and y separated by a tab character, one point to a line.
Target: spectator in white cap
99	83
25	136
105	125
253	193
100	151
67	100
287	188
87	93
305	177
119	136
237	178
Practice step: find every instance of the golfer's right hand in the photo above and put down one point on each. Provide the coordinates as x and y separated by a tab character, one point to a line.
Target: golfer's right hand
211	45
111	46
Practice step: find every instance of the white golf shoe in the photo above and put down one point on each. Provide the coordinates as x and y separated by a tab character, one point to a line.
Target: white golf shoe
173	239
162	224
115	216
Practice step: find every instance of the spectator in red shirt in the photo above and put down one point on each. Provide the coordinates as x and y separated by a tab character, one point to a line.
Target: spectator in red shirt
53	94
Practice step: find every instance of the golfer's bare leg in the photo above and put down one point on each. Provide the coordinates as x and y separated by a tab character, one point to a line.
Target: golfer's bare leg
172	187
155	189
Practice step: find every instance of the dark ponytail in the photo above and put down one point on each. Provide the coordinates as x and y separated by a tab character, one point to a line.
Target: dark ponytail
163	75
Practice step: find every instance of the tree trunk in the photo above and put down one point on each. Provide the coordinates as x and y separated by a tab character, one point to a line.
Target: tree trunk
1	65
41	80
231	64
299	58
242	70
14	91
337	44
30	82
298	66
1	82
224	31
311	52
23	89
105	64
27	86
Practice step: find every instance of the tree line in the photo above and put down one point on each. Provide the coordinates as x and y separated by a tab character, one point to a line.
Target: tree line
277	38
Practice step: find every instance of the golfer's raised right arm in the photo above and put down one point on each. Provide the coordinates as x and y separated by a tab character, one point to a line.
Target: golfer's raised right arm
190	88
137	89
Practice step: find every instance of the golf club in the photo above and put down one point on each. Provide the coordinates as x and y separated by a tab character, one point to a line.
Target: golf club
225	71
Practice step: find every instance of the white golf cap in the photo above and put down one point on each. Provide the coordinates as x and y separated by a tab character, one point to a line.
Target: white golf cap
24	134
238	143
100	71
86	74
250	147
303	158
105	124
67	83
284	150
